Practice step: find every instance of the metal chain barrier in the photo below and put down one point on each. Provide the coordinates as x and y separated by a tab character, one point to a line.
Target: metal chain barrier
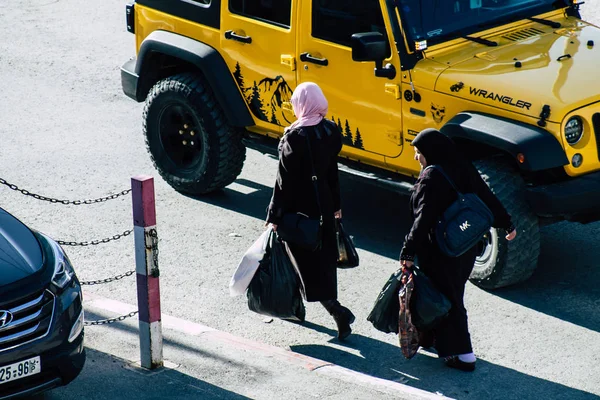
107	280
153	241
61	201
96	242
110	320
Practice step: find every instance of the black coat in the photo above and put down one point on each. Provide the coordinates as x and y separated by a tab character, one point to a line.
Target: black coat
431	196
294	192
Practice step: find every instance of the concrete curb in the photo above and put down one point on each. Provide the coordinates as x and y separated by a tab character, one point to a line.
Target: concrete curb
318	366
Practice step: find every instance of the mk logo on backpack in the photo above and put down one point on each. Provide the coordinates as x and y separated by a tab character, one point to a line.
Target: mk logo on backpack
467	213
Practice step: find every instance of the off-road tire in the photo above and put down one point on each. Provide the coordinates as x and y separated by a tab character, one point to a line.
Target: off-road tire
508	262
221	157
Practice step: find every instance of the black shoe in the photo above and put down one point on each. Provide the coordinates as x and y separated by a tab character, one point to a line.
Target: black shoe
343	317
455	362
343	320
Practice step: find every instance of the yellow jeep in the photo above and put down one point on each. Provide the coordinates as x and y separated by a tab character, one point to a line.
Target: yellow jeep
514	82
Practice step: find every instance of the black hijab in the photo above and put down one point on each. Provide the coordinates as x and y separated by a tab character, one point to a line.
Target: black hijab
440	150
437	148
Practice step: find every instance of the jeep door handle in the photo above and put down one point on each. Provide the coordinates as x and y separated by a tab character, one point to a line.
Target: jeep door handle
308	58
231	35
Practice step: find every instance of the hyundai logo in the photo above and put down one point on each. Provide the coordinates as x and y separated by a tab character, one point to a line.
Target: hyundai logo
6	318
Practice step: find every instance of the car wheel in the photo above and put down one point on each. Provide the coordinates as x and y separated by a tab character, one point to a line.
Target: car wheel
192	145
499	262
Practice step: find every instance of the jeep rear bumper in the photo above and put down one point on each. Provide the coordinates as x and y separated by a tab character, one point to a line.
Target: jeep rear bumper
576	199
129	79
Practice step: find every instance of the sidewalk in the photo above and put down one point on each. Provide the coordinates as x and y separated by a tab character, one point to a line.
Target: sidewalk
203	363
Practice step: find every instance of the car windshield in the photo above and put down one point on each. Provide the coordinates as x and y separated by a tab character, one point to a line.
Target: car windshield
436	20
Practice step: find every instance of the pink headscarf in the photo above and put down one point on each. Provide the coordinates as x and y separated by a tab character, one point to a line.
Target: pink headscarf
310	105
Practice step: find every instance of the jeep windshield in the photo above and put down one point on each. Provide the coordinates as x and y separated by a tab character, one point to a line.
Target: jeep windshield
439	20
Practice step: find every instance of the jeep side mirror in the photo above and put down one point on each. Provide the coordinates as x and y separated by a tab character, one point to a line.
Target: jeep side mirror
372	46
369	46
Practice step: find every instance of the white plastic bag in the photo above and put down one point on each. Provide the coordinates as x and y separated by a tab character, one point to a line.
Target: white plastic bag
248	265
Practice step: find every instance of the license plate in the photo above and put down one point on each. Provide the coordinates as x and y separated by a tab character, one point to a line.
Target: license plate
20	370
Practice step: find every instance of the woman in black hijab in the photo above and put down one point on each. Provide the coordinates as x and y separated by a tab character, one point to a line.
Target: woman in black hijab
431	196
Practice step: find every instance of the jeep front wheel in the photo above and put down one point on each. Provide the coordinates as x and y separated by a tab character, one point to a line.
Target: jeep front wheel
499	262
191	144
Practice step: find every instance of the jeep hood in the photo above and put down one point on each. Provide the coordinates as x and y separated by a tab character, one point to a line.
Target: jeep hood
20	252
557	68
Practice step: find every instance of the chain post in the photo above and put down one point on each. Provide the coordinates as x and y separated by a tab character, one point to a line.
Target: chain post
147	273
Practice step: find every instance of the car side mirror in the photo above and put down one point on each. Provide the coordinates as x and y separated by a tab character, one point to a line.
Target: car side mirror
372	46
368	46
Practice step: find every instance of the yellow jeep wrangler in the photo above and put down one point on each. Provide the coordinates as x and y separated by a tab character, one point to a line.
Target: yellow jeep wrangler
514	82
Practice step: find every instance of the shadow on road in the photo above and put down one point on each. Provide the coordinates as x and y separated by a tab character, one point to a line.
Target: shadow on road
377	218
425	371
105	376
565	284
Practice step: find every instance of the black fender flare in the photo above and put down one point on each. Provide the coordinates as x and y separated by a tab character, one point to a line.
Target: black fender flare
207	60
541	149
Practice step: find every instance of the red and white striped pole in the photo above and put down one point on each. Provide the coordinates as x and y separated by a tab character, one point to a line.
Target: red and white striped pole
146	262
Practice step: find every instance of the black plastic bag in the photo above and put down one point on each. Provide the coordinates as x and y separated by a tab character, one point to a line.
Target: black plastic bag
428	306
275	287
384	315
347	255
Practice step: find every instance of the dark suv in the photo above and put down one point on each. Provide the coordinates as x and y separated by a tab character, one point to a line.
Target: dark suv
41	312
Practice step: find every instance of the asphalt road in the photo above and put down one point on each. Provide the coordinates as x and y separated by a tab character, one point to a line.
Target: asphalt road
69	132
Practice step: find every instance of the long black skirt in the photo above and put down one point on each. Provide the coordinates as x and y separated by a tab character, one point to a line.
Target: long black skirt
318	269
450	276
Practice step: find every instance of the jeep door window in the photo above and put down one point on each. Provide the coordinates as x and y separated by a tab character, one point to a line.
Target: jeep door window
272	11
337	20
436	20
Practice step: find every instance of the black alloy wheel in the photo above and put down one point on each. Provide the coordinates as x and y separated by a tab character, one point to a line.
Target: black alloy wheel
190	141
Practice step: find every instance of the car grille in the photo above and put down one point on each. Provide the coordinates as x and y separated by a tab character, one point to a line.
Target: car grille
596	123
31	319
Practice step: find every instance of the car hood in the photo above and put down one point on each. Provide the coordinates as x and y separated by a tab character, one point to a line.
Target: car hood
556	68
20	252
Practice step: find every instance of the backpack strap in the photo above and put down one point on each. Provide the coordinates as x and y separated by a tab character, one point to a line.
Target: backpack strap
441	170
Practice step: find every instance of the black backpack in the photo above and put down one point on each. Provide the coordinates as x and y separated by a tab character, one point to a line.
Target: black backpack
464	222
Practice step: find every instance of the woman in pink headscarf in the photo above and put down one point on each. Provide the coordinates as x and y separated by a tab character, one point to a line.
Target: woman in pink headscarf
294	192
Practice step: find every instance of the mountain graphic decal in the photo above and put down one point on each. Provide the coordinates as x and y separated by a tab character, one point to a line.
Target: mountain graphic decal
349	138
264	98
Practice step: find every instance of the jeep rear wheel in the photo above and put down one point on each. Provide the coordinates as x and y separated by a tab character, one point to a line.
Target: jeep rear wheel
499	262
189	140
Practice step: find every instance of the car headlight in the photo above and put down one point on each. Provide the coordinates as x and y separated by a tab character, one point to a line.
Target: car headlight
573	130
63	270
